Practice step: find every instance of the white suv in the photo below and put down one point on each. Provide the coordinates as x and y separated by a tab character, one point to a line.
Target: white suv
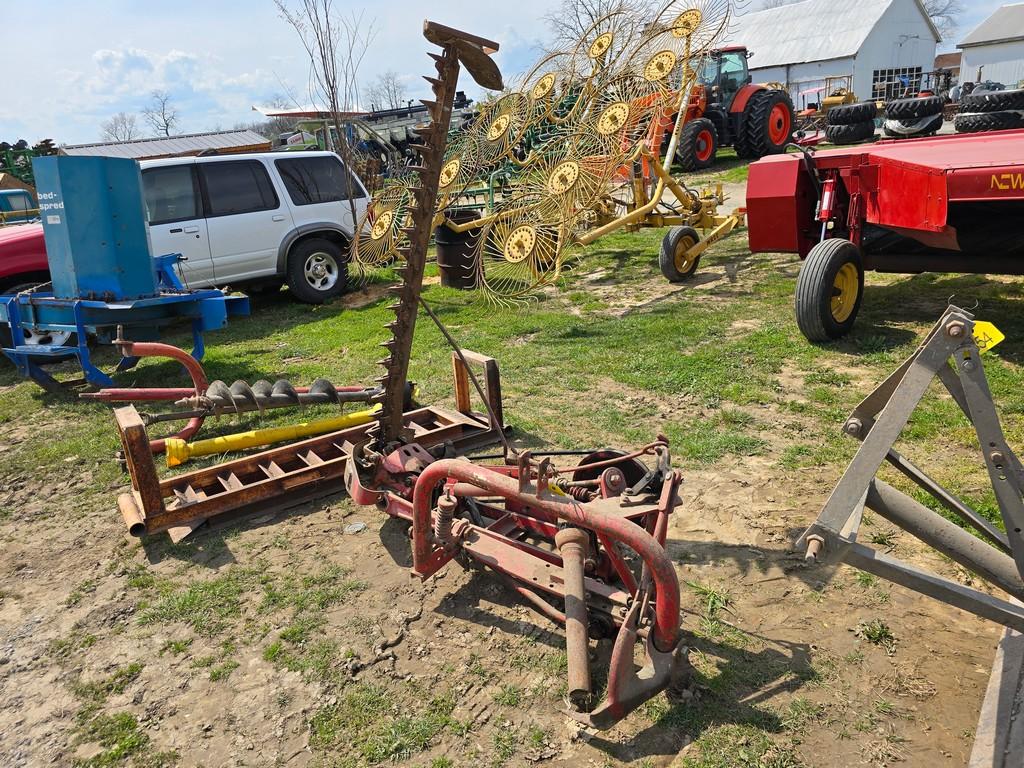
267	218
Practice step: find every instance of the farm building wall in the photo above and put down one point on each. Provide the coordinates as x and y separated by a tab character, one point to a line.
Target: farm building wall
1001	62
901	45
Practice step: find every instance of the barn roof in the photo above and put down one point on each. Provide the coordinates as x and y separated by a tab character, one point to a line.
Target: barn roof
186	144
1004	26
812	30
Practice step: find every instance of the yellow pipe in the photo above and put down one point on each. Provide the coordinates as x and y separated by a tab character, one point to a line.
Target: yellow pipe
178	451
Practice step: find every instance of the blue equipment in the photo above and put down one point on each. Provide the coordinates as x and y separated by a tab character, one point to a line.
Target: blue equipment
102	271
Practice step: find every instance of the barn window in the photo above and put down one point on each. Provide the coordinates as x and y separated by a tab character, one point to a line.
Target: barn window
893	83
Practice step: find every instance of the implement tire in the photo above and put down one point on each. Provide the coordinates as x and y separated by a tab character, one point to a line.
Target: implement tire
698	145
829	290
914	109
988	121
767	125
672	259
995	101
852	114
850	134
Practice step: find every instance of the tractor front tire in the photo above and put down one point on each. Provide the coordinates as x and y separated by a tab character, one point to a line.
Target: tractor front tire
850	134
982	122
852	114
829	290
698	145
914	109
675	264
995	101
767	125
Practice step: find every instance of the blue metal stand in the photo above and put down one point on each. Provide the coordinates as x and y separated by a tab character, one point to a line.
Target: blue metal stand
141	319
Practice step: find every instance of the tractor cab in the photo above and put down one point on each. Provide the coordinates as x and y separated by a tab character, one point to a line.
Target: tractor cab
724	73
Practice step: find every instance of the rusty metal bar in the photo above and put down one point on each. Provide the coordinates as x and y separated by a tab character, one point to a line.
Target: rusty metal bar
572	544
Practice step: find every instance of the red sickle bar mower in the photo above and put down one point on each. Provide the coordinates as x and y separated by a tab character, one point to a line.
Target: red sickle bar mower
556	533
584	544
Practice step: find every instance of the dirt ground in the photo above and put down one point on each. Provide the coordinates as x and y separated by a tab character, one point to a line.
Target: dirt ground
261	643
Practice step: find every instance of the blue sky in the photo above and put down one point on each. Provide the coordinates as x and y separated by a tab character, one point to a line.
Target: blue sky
89	60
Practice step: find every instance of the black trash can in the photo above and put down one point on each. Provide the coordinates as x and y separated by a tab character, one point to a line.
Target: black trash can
455	251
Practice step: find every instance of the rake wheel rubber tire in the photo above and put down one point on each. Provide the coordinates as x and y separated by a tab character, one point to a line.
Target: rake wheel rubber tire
994	101
983	122
928	129
914	109
814	290
852	114
850	134
667	254
754	140
296	278
689	153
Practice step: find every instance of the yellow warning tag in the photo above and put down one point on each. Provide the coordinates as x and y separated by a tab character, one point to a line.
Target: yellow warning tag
986	335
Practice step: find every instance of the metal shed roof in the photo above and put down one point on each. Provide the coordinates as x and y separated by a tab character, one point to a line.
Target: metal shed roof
812	30
190	143
1003	26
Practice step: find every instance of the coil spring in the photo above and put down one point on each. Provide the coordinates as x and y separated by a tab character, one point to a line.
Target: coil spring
580	493
443	517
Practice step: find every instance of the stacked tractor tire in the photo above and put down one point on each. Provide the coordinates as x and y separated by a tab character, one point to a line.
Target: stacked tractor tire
912	118
993	111
851	123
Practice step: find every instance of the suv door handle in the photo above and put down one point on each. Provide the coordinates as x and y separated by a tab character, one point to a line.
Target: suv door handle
277	217
191	230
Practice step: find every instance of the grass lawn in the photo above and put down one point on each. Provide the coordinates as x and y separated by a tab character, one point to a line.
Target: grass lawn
611	356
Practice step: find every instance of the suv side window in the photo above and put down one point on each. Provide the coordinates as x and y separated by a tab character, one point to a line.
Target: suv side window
238	186
311	180
170	194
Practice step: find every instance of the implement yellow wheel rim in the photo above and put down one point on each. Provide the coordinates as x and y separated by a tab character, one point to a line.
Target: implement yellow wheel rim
845	291
682	258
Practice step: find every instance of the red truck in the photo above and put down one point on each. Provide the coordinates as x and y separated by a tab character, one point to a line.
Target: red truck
22	258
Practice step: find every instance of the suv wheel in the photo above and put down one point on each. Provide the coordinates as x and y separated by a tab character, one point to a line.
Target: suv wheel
316	271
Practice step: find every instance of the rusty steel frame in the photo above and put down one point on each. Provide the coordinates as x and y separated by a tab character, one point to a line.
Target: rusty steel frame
878	422
288	475
546	539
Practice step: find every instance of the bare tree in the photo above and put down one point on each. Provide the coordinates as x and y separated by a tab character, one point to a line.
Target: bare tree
336	45
571	19
161	115
944	14
120	127
386	92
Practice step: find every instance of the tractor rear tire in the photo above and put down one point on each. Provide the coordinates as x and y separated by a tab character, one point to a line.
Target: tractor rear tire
767	125
982	122
852	114
673	261
829	290
698	145
913	129
850	134
914	109
996	101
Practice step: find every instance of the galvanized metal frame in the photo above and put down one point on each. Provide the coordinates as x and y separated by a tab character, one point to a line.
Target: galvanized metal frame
878	422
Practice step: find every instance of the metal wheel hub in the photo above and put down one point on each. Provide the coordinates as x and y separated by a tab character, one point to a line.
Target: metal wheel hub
682	258
845	290
321	271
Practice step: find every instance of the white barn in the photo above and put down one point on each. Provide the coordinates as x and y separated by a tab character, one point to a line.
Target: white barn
885	45
996	48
